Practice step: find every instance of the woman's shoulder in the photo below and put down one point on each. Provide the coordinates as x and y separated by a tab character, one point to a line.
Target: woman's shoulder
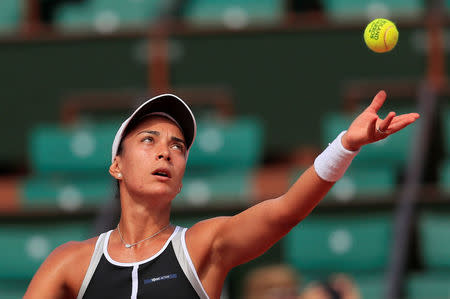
63	270
73	258
74	251
78	246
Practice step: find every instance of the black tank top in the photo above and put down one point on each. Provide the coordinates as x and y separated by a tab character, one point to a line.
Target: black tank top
160	276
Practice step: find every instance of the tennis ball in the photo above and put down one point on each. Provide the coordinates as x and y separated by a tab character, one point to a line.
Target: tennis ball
381	35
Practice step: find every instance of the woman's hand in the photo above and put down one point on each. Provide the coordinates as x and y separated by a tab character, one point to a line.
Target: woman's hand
368	127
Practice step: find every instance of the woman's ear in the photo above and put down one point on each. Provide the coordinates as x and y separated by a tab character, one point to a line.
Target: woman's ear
114	169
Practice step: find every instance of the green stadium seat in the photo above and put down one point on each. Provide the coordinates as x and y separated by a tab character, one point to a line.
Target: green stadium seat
444	172
79	149
232	186
235	13
428	286
361	183
445	117
131	12
13	288
107	15
66	193
187	221
26	245
434	236
364	182
236	144
434	242
73	16
447	5
352	243
371	287
10	15
392	151
444	176
345	10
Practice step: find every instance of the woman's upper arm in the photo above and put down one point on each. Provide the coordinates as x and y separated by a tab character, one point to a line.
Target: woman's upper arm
50	280
230	241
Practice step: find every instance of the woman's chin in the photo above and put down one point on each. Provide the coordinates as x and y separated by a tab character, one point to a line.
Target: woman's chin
161	192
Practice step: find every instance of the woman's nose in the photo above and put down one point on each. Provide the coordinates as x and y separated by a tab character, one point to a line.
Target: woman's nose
163	154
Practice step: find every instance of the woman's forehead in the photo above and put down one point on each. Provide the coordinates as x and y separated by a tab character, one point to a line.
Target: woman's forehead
157	122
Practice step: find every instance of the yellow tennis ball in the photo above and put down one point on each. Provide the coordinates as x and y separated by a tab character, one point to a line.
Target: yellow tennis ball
381	35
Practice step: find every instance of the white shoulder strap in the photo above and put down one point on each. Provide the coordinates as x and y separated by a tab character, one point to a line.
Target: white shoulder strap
95	259
184	259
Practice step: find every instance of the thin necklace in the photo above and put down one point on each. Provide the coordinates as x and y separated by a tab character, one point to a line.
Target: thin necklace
134	244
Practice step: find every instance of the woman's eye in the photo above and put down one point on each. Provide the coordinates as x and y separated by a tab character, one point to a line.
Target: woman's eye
148	139
178	146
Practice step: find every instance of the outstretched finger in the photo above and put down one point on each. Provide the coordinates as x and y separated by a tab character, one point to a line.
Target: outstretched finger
384	124
405	118
377	101
402	121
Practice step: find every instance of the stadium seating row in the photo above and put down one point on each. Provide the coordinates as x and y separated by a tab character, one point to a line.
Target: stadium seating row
236	14
27	244
11	14
86	147
358	244
69	165
110	15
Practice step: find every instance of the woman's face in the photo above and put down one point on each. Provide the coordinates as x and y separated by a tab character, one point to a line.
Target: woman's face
153	159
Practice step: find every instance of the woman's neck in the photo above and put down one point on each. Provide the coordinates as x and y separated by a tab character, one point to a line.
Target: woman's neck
141	218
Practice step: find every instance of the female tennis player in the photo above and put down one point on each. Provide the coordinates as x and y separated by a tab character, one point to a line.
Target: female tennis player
146	256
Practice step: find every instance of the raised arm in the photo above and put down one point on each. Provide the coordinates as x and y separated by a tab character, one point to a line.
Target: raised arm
245	236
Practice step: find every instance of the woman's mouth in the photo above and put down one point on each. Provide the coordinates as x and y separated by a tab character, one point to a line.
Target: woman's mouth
162	172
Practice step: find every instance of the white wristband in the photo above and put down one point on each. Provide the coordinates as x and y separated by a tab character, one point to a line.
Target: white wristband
332	163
